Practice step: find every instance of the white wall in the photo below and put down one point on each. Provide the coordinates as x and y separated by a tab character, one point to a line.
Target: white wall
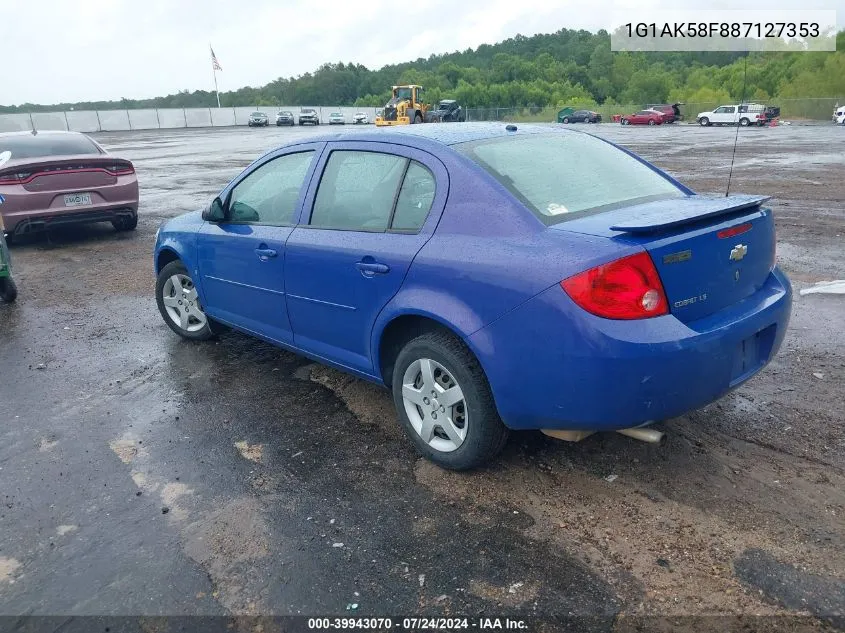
113	120
198	117
222	116
15	122
49	120
81	121
164	118
143	119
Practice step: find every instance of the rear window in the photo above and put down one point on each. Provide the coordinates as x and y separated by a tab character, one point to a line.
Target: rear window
562	176
43	145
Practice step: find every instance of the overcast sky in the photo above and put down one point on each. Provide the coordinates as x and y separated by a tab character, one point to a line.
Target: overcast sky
79	50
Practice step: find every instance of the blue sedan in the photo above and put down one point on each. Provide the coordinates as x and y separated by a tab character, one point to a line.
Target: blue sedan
492	277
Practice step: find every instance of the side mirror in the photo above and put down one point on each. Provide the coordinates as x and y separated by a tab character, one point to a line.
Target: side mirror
214	212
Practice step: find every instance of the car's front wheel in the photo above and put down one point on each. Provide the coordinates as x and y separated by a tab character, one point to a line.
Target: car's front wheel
178	303
445	404
704	121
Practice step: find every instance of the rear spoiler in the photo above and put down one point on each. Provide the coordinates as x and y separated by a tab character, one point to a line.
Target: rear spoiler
653	217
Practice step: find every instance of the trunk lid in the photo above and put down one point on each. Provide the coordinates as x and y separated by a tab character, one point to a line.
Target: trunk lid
710	253
65	173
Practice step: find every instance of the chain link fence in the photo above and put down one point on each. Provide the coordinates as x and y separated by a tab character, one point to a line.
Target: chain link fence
812	109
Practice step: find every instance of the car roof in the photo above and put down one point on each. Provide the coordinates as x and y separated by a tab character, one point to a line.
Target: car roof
451	134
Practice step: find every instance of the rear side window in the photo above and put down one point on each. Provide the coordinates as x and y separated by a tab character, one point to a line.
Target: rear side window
372	191
561	176
415	199
44	145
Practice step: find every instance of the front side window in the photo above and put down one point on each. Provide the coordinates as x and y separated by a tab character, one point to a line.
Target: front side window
561	176
269	194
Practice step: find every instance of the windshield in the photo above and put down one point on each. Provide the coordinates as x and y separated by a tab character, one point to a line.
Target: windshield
403	93
561	176
42	145
257	114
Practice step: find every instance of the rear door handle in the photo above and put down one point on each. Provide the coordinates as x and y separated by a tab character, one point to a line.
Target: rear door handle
373	268
264	253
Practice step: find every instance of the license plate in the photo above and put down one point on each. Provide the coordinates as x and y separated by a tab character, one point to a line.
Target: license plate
77	199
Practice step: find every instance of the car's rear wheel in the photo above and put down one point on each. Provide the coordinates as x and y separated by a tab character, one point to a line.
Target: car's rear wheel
445	404
744	122
704	121
179	305
652	122
125	224
8	289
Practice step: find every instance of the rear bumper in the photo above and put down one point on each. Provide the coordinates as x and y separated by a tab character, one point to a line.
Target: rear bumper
551	365
18	223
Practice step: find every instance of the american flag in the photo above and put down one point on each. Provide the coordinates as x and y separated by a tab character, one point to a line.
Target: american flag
214	63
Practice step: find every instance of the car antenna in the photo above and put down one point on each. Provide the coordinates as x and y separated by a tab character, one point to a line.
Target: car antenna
736	138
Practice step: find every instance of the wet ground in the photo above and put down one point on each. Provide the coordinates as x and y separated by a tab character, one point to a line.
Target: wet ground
141	474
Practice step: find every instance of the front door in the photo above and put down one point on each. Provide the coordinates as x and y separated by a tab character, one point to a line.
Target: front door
725	114
371	213
242	259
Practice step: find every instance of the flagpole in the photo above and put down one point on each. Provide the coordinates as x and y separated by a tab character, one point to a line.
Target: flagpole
214	65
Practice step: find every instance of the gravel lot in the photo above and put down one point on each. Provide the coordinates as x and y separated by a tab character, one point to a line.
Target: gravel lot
289	489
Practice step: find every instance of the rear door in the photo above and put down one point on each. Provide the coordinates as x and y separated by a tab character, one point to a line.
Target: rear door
242	259
373	209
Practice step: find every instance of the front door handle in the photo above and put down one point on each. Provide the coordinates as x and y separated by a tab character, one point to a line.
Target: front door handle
264	253
368	269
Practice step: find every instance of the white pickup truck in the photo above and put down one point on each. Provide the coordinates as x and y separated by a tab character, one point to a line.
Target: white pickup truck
742	114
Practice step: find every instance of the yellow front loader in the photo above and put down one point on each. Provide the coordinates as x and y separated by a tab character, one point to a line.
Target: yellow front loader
404	108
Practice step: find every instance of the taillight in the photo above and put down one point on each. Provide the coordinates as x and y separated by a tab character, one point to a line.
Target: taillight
628	288
12	179
123	169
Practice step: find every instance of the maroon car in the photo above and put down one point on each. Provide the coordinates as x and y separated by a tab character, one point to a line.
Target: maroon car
56	178
643	117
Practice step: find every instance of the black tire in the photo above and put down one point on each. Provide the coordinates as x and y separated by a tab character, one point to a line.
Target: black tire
625	122
178	268
125	224
704	121
418	118
8	289
565	119
744	122
486	434
652	122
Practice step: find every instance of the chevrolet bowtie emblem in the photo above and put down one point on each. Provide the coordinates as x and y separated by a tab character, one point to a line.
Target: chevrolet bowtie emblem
738	252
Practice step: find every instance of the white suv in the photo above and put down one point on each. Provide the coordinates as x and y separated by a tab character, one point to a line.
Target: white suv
745	114
839	115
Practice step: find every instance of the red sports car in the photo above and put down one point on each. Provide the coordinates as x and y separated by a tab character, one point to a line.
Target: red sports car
643	117
56	178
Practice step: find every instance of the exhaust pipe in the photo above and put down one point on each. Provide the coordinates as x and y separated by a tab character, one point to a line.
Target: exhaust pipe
644	435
